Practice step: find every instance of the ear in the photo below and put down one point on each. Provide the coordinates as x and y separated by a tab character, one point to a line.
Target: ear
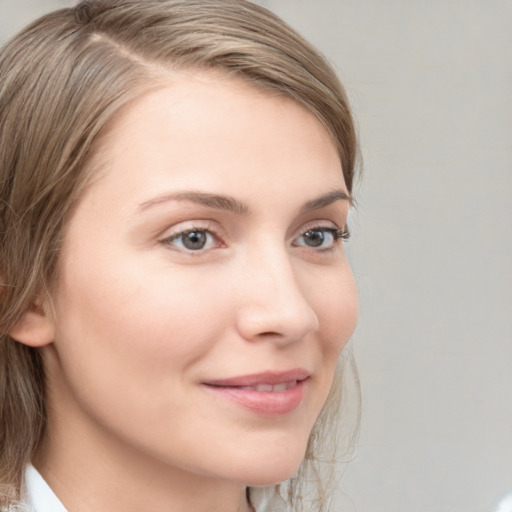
36	328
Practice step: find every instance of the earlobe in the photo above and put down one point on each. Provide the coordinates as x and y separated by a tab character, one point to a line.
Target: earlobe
35	328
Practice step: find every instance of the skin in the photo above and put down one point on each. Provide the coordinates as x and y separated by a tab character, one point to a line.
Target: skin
138	322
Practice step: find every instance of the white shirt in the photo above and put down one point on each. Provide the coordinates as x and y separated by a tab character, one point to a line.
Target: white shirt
37	495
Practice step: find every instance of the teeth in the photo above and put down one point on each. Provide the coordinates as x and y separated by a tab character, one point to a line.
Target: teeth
264	388
268	388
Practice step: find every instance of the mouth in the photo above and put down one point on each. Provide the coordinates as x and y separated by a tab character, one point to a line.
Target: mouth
270	388
269	378
268	394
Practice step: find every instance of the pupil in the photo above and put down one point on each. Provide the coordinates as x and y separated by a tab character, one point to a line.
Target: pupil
314	238
194	240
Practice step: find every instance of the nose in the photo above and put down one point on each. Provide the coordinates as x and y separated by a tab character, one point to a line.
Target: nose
273	305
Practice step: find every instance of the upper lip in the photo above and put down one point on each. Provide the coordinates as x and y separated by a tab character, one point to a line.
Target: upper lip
268	377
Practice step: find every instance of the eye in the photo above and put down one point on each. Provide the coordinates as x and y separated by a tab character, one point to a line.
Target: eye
321	238
195	239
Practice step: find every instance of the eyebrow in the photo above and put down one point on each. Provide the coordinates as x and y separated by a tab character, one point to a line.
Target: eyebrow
219	202
326	200
230	204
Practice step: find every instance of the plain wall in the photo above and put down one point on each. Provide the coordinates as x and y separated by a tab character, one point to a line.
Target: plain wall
431	87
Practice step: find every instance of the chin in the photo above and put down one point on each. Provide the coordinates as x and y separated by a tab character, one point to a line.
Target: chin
271	467
271	476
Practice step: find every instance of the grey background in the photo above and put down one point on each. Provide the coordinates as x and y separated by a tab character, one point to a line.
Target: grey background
430	83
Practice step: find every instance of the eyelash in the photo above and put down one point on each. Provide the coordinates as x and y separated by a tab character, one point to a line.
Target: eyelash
338	234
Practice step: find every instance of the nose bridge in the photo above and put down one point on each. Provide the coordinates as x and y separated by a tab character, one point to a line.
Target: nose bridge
274	304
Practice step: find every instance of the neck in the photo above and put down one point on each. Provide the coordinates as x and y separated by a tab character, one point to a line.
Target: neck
116	486
90	469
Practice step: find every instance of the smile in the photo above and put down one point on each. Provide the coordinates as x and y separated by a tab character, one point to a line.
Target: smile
269	388
269	394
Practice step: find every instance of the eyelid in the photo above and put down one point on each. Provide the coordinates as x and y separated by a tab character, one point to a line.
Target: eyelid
323	224
188	225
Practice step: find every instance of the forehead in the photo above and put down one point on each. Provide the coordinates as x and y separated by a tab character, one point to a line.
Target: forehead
215	130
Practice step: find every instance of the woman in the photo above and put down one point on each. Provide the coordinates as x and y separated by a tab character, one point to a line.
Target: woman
175	181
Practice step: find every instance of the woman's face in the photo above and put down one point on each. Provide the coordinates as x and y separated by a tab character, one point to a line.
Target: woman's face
204	294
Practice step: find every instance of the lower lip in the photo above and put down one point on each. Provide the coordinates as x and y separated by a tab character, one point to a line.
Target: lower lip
270	404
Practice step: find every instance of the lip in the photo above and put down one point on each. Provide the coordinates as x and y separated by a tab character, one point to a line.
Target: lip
268	377
286	396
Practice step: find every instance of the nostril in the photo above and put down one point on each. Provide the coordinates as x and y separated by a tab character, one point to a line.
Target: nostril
269	334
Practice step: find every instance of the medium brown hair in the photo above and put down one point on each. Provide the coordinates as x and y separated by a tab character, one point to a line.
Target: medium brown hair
61	80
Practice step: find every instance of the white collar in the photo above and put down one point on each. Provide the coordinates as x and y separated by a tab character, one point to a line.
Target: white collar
37	495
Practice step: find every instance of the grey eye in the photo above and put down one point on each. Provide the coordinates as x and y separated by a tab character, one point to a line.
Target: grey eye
194	240
316	237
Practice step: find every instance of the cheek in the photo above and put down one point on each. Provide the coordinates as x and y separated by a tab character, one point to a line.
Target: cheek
128	343
337	309
133	329
336	304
